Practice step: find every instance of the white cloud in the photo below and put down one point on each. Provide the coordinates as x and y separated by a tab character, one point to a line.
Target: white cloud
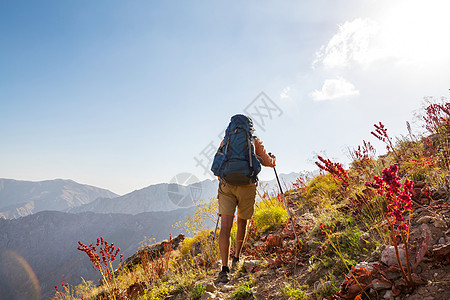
352	43
333	89
409	33
285	94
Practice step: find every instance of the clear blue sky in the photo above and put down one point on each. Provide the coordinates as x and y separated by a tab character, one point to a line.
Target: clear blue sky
124	94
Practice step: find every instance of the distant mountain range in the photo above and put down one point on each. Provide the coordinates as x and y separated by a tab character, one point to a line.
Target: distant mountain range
21	198
170	196
286	181
158	197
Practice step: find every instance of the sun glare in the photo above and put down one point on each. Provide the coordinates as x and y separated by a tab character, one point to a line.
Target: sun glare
417	31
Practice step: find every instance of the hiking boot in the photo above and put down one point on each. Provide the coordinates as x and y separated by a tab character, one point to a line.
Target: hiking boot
234	264
224	276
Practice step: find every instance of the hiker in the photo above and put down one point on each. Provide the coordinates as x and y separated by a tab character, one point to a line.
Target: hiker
237	164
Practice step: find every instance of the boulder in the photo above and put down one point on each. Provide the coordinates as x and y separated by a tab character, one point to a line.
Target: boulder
389	256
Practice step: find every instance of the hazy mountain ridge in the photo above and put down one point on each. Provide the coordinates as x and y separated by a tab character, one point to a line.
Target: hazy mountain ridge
286	181
48	242
158	197
20	198
170	196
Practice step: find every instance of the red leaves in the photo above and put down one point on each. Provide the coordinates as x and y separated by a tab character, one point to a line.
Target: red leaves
380	132
328	232
275	251
363	279
335	169
351	288
274	241
101	261
424	162
398	201
391	179
364	153
64	287
436	116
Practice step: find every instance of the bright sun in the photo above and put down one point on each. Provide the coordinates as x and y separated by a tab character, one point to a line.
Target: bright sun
417	31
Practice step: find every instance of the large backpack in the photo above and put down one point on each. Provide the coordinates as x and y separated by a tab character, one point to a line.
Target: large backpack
235	161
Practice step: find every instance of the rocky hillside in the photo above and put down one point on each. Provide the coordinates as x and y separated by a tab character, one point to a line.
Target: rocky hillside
273	266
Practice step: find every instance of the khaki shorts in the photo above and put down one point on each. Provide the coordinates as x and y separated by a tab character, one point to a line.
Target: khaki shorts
231	196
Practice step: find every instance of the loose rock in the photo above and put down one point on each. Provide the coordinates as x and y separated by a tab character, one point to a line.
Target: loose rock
226	288
210	287
388	295
439	223
250	264
208	296
365	265
389	257
425	219
380	285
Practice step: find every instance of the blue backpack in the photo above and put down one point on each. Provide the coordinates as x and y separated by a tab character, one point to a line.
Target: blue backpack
235	161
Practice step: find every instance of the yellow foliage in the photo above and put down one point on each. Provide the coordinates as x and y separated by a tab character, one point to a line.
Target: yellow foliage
269	214
321	190
198	221
188	243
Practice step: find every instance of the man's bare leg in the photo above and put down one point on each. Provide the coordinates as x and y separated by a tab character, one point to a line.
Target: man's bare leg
226	222
240	235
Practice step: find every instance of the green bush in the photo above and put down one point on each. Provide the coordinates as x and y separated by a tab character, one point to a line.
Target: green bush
327	287
197	291
244	291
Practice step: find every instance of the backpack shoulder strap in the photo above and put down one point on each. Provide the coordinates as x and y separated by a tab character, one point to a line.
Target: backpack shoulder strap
250	143
227	141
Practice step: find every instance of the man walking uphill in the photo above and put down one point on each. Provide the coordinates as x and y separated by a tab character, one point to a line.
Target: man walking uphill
237	164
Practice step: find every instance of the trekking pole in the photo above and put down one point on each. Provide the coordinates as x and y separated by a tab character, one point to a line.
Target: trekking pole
212	244
288	210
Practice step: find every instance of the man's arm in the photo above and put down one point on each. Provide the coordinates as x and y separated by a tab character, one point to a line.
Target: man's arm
260	151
